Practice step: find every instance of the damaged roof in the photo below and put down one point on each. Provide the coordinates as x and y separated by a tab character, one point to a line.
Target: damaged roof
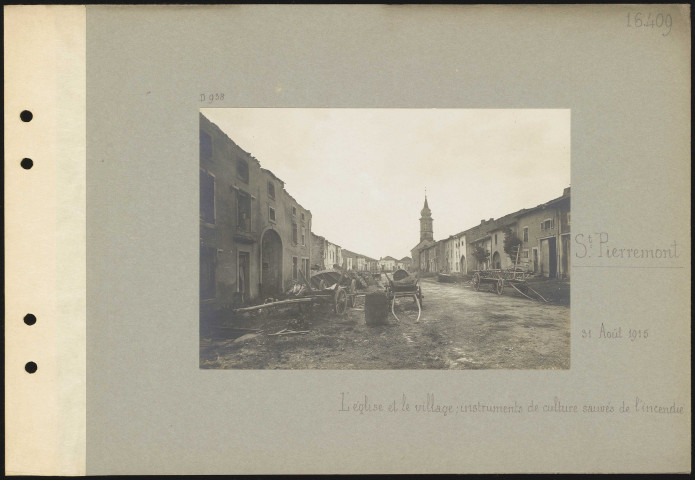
282	183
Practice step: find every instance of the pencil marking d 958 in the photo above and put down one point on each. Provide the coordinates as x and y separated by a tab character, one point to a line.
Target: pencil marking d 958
211	97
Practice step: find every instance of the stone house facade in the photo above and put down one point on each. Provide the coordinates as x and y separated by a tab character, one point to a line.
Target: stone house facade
254	236
387	264
325	254
545	233
479	237
349	260
455	254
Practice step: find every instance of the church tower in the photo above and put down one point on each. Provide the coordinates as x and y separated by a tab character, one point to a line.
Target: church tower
426	231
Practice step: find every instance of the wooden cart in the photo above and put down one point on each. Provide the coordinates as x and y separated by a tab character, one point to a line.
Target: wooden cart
396	290
335	295
497	279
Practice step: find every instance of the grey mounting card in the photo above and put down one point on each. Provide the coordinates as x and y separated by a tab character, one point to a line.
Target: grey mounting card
347	239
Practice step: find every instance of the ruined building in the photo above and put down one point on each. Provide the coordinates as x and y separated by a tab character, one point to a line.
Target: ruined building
254	236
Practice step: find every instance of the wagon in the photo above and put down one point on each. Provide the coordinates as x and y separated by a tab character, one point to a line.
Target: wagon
402	285
340	285
324	287
497	279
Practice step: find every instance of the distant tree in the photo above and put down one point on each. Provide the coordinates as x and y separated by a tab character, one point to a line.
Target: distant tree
511	242
480	254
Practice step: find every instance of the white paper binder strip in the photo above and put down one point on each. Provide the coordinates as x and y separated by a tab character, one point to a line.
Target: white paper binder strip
45	240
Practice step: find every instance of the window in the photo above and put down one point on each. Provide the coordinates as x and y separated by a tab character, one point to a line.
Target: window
243	211
303	236
525	234
495	239
294	268
294	210
207	197
548	224
524	254
271	189
205	146
568	218
271	213
242	170
207	273
303	216
294	233
305	266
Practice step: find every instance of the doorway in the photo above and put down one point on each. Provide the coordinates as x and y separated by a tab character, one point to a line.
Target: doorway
271	264
496	261
549	257
243	276
463	264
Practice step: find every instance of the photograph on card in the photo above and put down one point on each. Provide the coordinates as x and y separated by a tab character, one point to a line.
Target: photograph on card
338	238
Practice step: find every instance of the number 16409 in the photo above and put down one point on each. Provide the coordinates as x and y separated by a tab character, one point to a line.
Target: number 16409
660	21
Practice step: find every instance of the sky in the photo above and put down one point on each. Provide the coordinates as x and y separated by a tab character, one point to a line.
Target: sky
363	172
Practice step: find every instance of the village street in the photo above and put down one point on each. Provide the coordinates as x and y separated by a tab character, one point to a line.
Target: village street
459	329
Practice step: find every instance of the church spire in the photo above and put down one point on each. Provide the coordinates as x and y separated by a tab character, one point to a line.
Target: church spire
426	230
426	212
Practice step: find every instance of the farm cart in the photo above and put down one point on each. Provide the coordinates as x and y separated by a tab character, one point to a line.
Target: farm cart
403	285
352	283
497	279
327	287
324	288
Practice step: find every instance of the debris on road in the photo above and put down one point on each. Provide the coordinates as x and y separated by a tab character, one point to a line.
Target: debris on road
288	332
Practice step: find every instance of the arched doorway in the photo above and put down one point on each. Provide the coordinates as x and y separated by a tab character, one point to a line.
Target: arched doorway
462	264
271	264
496	261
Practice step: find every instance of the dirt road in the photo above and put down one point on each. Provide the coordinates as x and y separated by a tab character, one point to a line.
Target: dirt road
459	329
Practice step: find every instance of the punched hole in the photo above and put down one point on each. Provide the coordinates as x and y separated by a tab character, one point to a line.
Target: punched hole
31	367
26	163
29	319
26	116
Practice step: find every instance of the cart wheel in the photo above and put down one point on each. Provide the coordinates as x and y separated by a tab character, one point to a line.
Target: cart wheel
500	286
340	301
476	282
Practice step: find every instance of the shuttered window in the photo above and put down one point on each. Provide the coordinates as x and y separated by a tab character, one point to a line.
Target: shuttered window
242	170
205	146
207	197
207	272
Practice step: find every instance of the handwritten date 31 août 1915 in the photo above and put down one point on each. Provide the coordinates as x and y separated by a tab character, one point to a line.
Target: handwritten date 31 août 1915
650	20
